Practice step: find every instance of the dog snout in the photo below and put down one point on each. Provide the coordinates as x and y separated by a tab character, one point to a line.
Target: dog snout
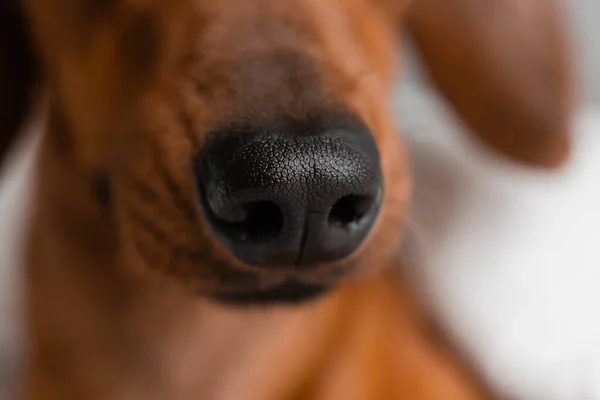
293	193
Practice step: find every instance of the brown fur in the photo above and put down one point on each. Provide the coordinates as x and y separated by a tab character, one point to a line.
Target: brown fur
505	67
119	255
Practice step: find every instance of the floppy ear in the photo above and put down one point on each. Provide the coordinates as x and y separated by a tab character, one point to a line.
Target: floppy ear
504	66
17	72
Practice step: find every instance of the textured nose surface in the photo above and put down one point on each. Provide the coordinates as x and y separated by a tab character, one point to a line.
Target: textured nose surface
292	194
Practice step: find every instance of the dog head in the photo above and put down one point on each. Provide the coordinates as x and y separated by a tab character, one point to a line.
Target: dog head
247	144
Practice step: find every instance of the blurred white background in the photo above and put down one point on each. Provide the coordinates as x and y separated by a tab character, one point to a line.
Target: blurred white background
509	259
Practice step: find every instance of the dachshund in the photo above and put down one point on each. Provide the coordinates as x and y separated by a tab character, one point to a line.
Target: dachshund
220	191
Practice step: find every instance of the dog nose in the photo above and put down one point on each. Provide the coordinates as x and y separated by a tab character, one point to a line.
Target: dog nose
291	194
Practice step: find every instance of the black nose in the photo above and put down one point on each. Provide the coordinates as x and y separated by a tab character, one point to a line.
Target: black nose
292	193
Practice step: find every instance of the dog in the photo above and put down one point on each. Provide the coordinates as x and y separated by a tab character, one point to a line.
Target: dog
220	190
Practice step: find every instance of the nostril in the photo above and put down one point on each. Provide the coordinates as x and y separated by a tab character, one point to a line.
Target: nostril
348	211
263	221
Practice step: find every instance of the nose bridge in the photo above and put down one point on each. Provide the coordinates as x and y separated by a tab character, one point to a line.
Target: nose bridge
280	81
263	59
255	24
